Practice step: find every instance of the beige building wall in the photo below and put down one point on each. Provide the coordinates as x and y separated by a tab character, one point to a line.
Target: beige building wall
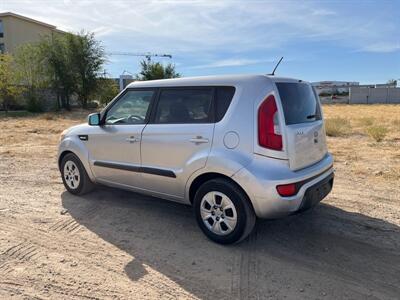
19	30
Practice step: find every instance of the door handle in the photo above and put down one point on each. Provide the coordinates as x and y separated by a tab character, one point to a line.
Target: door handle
198	140
132	139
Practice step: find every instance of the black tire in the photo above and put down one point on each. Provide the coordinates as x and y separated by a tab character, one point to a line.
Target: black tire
245	214
85	184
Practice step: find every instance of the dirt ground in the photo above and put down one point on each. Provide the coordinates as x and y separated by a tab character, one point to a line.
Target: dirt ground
114	244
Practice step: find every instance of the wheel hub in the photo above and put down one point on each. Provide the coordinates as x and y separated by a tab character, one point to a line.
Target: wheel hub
71	175
218	213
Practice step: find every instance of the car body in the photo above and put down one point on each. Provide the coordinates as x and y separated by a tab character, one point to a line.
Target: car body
263	134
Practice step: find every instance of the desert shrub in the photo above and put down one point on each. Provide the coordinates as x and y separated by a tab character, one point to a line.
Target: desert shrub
337	126
49	117
367	121
378	133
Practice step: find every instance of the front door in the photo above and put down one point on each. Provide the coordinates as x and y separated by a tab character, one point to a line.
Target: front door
177	140
114	148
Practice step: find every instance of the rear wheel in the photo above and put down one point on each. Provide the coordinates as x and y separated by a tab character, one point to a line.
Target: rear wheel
74	175
223	211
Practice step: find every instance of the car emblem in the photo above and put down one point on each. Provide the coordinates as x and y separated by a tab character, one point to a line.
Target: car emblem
300	132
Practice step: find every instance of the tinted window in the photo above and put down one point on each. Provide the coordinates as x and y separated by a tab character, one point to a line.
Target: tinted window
131	108
299	102
1	29
223	100
184	106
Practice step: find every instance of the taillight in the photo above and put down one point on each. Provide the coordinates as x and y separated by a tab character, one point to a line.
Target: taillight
287	190
268	125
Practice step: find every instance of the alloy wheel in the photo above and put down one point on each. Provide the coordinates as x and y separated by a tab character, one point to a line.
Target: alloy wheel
218	213
71	175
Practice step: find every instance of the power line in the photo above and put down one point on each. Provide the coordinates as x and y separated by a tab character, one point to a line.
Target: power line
148	55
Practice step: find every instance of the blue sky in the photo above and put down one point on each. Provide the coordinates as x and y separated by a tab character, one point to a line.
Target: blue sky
320	40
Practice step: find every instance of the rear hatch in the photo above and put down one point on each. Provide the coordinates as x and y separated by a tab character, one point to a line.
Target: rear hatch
304	131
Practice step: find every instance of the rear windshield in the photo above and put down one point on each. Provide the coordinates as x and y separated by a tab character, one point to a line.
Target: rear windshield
299	102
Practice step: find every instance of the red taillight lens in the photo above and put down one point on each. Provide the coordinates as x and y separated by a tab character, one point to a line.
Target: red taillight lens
268	135
287	190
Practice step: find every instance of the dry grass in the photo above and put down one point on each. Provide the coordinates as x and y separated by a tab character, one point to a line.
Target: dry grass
396	123
355	153
362	116
36	130
378	133
367	121
337	126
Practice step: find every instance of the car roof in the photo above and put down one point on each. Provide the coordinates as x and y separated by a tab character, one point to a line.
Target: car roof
206	81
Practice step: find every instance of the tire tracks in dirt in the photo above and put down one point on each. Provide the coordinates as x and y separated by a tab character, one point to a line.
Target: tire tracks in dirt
68	226
245	271
71	225
17	254
36	240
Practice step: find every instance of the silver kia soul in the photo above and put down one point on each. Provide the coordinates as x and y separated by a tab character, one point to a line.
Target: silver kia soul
233	147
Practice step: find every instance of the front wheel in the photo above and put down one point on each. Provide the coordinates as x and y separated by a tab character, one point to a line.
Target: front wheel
223	211
74	175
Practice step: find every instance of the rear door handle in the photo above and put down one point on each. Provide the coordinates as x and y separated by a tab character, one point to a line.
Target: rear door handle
132	139
199	140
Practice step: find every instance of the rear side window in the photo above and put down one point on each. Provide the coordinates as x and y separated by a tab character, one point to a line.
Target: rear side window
224	97
176	106
299	102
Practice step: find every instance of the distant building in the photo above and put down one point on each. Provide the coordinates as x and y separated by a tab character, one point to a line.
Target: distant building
16	30
124	80
327	88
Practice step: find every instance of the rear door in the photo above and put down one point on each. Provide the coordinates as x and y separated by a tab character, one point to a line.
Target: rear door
304	130
177	140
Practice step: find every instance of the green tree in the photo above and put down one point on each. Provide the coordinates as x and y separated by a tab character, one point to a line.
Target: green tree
154	70
9	90
31	68
392	82
107	89
73	62
59	67
87	57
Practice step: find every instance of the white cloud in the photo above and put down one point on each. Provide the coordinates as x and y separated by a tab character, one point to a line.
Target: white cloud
194	28
323	12
103	31
382	47
234	62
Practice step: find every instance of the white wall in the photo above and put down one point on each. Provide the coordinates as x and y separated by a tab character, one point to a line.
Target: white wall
374	95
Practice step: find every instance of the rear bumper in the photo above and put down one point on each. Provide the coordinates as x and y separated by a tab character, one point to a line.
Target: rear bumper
260	179
316	193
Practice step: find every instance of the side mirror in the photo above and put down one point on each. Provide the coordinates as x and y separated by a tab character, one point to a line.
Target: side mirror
94	119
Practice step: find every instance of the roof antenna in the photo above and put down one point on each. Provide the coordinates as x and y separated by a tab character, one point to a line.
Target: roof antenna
273	72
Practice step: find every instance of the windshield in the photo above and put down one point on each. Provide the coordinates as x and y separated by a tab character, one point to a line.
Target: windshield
299	102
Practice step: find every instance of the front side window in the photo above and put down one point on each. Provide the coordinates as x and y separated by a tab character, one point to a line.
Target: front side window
183	106
131	108
1	29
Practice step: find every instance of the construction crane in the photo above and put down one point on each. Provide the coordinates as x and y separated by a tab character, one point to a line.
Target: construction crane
147	55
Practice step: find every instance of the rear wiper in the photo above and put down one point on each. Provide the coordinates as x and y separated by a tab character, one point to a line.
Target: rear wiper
311	116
